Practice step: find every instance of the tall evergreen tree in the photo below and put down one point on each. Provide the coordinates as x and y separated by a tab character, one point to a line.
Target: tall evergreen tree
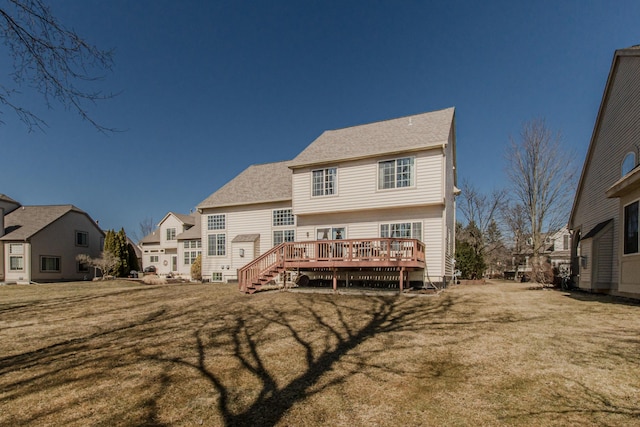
109	246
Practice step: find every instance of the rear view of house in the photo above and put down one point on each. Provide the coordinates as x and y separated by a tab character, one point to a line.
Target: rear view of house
173	246
358	204
40	243
604	217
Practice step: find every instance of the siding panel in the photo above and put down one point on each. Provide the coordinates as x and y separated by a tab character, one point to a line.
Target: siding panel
618	134
357	186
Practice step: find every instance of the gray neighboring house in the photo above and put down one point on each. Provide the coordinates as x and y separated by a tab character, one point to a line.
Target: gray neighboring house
40	243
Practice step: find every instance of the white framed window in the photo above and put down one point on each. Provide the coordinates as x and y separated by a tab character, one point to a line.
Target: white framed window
396	173
154	258
217	222
324	182
402	230
50	264
16	263
82	238
190	257
628	163
216	277
16	248
281	236
171	234
217	244
192	244
630	238
283	217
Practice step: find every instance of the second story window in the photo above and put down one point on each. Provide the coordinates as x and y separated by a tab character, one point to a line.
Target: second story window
171	234
396	173
82	238
283	217
324	182
216	222
629	163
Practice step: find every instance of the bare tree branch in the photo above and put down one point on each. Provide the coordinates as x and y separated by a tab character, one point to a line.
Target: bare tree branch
51	59
542	181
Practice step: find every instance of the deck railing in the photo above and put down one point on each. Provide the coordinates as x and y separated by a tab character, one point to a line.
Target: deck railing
355	250
335	253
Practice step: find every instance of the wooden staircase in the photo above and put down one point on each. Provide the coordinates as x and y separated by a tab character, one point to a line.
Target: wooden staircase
331	255
262	270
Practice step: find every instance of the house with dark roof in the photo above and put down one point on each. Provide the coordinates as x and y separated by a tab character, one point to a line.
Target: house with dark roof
40	243
174	245
604	218
363	204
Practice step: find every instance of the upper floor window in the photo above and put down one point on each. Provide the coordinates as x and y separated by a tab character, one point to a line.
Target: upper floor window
192	244
283	217
171	234
324	182
396	173
16	248
216	222
628	163
82	238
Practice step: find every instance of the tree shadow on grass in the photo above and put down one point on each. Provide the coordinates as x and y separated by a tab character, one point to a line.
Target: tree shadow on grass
316	336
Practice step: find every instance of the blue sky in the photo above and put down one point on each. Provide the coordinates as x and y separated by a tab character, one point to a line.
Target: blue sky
208	88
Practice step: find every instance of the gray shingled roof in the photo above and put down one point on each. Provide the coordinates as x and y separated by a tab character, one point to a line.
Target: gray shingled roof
193	232
5	198
26	221
390	136
153	237
268	182
186	219
246	238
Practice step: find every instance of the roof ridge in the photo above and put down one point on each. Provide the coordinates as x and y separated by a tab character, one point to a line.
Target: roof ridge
391	119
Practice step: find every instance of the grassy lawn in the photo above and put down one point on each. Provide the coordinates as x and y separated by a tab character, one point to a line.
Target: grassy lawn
120	353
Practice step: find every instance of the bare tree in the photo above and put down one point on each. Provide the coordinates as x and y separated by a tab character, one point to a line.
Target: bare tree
542	182
106	263
51	59
146	227
516	226
480	210
479	207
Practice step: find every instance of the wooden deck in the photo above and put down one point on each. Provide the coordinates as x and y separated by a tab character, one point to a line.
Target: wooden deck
401	254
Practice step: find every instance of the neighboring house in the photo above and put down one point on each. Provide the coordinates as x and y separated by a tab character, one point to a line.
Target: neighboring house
364	201
604	218
163	248
557	250
40	243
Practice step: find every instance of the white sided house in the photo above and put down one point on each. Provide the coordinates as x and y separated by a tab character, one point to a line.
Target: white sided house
164	248
361	205
604	217
40	243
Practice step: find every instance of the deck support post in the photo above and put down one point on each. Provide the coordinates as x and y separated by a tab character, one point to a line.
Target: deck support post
335	280
401	279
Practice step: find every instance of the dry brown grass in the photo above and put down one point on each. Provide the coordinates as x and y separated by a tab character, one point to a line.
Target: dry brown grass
119	353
